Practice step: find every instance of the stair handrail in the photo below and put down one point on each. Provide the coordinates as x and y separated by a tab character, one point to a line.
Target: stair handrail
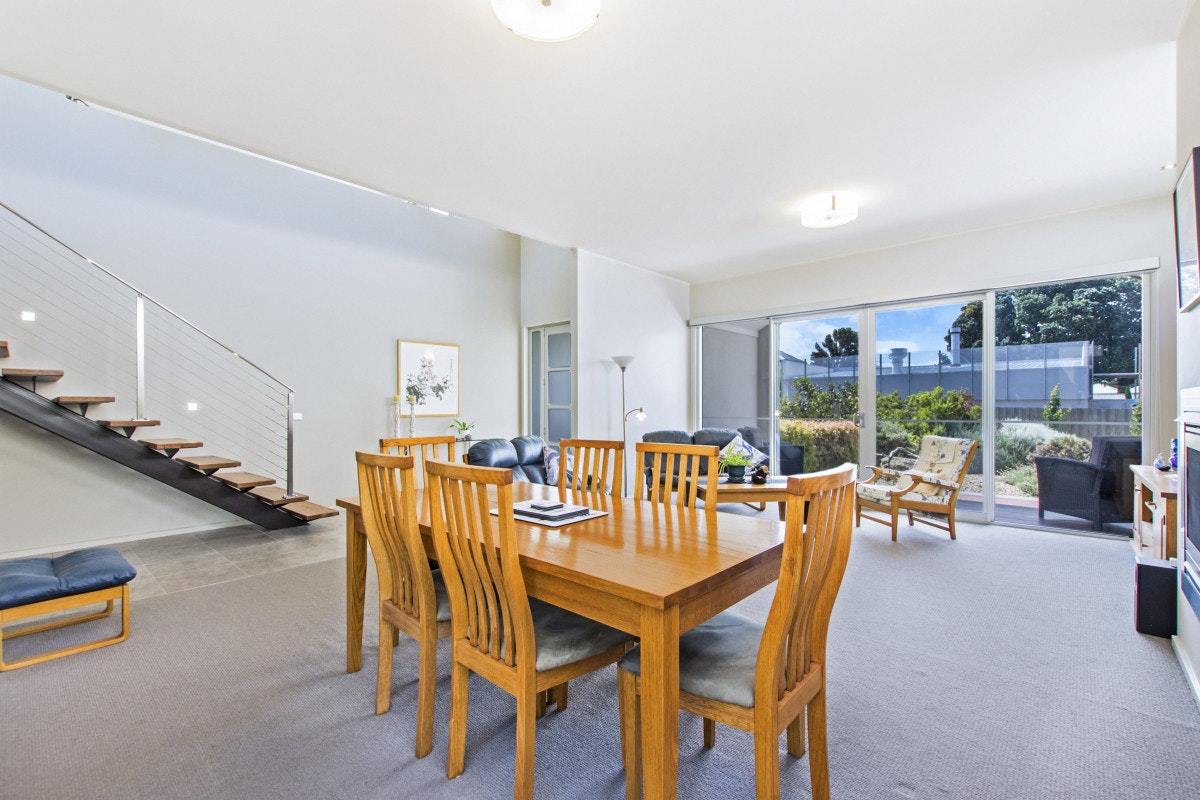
140	333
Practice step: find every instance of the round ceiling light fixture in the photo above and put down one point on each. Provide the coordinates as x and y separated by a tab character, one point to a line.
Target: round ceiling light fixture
829	210
547	20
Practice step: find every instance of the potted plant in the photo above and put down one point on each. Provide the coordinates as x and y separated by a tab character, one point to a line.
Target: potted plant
734	463
462	429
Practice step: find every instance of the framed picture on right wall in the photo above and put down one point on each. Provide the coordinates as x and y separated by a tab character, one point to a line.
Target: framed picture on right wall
1187	235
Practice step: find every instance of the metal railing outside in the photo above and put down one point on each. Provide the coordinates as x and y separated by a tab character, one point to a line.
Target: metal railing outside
111	339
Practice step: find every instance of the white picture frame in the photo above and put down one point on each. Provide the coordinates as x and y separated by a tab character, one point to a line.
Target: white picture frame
430	371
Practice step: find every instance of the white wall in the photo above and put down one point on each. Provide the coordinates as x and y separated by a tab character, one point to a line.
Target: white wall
547	283
625	310
1188	136
311	279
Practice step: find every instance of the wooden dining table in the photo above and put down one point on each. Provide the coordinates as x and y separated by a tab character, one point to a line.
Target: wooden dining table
650	570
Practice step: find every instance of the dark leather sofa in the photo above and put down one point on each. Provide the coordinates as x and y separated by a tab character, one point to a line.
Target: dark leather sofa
523	455
1099	490
791	456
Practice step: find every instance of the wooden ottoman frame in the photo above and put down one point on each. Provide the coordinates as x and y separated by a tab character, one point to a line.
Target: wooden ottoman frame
107	595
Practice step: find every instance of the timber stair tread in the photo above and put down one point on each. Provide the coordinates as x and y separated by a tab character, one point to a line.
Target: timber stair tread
43	374
3	349
171	444
243	480
127	426
83	401
276	495
309	511
208	464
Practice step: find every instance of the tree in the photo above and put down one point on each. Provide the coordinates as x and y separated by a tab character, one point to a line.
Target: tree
1105	311
1053	410
841	342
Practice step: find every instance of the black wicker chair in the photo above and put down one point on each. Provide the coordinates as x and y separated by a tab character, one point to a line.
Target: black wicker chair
1099	490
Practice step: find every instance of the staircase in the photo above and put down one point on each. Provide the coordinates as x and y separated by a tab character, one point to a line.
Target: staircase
104	332
249	496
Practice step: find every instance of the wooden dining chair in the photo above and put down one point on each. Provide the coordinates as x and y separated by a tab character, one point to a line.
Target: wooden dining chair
595	465
765	677
672	473
522	645
422	448
412	596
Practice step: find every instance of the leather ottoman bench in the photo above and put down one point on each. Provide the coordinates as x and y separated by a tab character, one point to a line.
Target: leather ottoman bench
31	587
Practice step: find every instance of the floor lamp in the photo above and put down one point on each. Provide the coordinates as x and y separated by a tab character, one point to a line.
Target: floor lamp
623	362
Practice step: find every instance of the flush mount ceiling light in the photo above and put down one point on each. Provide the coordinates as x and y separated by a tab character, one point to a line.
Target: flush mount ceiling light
547	20
829	210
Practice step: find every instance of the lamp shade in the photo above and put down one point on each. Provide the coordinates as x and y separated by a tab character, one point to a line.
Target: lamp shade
623	361
829	210
547	20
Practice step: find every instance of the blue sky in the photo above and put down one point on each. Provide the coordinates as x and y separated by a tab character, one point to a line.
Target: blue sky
918	329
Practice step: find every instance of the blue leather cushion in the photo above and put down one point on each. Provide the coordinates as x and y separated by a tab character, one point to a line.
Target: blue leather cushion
717	659
523	455
492	453
32	580
530	462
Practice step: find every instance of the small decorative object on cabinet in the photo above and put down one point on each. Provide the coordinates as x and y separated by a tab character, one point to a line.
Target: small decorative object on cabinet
1155	498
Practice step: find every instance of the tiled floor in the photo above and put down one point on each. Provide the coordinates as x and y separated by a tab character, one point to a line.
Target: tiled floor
187	561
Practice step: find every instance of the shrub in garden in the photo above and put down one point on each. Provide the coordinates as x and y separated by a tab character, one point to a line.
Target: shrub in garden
826	443
1063	446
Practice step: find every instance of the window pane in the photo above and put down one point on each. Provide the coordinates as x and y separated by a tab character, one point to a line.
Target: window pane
1068	371
560	424
818	393
535	383
558	388
558	350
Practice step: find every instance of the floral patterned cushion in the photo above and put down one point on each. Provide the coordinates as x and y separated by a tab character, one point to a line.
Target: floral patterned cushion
739	444
942	457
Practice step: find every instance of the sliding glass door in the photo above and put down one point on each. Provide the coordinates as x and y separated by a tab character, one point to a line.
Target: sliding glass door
818	396
1047	378
927	384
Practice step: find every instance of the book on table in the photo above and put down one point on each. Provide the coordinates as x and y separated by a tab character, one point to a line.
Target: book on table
548	512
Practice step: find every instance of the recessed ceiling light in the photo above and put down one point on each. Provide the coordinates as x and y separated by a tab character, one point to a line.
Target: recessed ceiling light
439	211
193	406
28	316
829	210
1165	167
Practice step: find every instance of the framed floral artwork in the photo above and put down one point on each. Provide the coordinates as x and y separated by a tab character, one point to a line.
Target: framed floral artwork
427	377
1187	242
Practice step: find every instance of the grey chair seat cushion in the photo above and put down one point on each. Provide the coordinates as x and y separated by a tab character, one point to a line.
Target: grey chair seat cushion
32	580
443	597
564	637
716	659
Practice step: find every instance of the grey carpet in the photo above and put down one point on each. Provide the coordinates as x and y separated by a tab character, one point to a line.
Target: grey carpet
1003	665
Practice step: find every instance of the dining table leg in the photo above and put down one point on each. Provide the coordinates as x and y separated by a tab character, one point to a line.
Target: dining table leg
660	701
356	589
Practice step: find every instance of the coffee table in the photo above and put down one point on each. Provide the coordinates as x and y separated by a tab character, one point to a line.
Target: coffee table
773	491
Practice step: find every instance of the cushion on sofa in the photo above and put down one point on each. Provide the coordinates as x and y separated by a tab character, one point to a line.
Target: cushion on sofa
739	445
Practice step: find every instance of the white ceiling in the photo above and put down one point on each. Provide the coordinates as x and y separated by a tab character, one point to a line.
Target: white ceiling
677	136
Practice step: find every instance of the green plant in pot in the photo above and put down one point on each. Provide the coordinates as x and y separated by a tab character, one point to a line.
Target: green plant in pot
734	463
462	429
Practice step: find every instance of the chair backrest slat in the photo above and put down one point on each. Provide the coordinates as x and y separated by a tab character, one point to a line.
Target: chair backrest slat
387	492
675	473
421	448
595	465
489	607
820	516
